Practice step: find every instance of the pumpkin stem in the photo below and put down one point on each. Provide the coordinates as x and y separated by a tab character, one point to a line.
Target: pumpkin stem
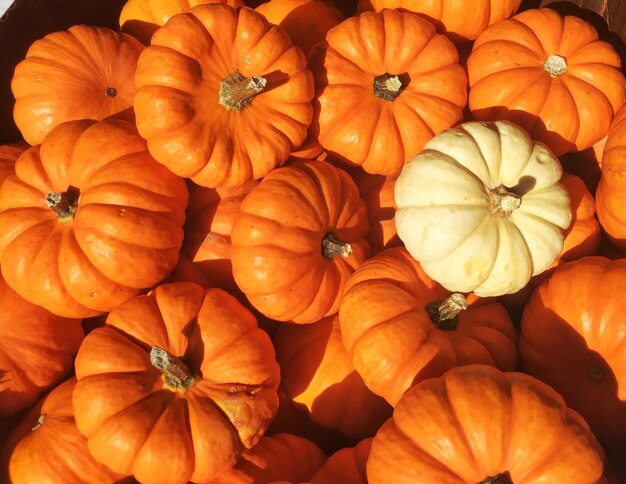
555	65
502	478
176	374
444	312
332	246
64	204
110	92
503	202
237	91
40	420
388	86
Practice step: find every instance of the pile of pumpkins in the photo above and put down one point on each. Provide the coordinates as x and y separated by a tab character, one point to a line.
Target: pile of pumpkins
295	243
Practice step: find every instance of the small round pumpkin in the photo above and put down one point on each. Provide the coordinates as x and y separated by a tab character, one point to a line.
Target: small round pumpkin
85	72
297	238
89	219
477	424
378	102
222	96
178	383
481	208
401	327
37	350
346	466
549	74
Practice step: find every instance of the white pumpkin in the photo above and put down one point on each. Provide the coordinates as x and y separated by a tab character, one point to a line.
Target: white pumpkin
481	209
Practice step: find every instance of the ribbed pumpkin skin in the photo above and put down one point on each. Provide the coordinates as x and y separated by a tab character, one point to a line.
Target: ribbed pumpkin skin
136	422
476	422
141	18
569	111
8	155
125	234
352	121
317	372
573	338
53	450
65	76
280	457
277	238
460	21
178	106
391	338
610	193
346	466
37	350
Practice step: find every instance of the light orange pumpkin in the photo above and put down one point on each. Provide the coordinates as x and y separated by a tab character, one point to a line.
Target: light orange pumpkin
346	466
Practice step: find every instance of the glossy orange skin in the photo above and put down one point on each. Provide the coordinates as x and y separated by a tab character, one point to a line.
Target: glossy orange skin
135	423
573	338
124	236
280	457
177	102
277	241
317	372
65	76
392	340
55	451
306	21
568	112
141	18
475	422
610	193
8	155
37	350
460	21
351	122
346	466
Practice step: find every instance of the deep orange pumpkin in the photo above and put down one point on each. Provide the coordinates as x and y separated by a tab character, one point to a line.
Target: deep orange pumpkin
83	73
401	327
89	219
178	383
346	466
8	155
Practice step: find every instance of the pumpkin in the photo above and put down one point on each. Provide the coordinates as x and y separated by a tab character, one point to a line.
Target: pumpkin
460	21
306	21
317	373
222	95
8	155
279	457
89	219
378	102
586	164
141	18
297	238
46	446
37	350
85	72
401	327
572	337
481	208
346	466
178	383
549	74
477	424
610	193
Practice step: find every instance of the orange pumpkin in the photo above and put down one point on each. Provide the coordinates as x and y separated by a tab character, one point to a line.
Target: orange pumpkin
297	238
317	372
178	383
281	457
460	21
83	73
222	95
37	350
378	102
141	18
549	74
573	336
46	446
89	219
346	466
306	21
610	194
401	327
477	424
8	155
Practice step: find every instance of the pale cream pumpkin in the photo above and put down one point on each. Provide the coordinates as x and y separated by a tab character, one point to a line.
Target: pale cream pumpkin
481	208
